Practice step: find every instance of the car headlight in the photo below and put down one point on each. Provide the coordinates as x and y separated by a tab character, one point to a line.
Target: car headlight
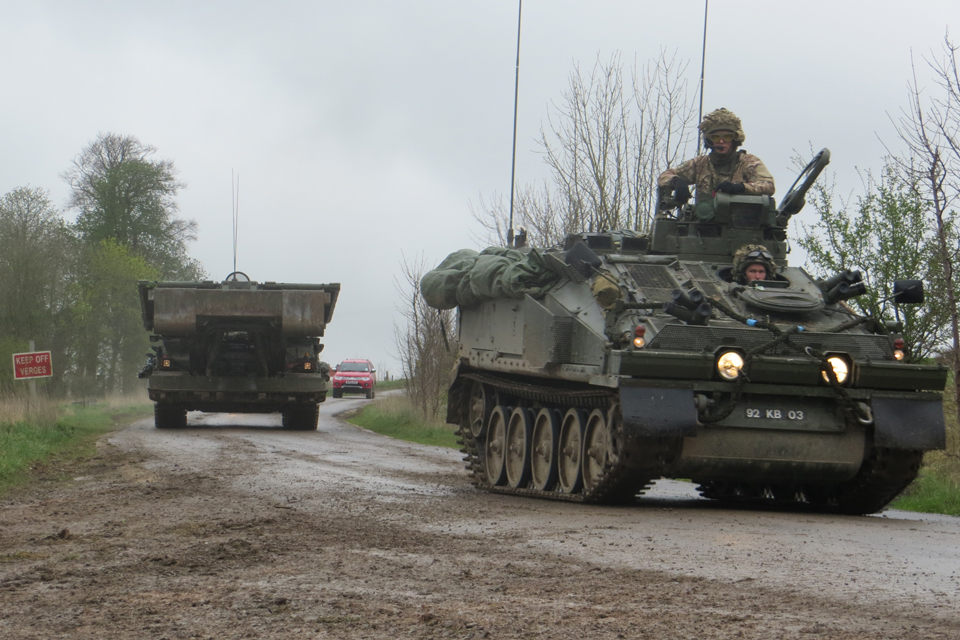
730	365
840	369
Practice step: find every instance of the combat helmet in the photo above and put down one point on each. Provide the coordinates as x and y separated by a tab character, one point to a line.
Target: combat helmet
722	120
752	254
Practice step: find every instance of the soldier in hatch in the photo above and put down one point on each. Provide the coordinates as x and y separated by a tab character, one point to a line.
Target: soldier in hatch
724	169
752	262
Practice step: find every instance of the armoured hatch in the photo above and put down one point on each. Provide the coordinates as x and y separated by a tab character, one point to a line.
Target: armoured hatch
783	300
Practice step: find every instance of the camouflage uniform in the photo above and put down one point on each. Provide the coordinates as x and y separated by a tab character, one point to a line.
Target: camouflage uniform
740	262
708	171
703	172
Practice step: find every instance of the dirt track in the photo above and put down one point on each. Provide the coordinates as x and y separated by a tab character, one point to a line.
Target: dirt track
234	528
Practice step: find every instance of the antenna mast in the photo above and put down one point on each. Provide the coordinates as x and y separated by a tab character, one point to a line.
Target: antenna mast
235	196
513	161
703	59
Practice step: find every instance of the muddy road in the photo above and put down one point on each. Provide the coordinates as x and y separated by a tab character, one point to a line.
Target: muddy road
233	528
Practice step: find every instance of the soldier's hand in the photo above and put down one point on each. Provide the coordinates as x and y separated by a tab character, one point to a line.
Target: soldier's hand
733	188
681	192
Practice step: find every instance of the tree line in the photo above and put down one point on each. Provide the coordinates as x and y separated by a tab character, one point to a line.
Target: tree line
71	286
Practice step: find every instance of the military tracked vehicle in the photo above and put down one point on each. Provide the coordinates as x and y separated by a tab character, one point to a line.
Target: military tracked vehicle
237	346
589	370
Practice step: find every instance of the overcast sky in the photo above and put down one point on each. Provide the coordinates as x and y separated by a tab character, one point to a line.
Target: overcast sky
362	131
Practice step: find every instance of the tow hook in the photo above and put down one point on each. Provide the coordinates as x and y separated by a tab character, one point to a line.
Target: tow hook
702	402
864	413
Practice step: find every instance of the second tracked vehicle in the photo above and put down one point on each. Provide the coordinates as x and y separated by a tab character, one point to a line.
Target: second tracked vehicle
589	370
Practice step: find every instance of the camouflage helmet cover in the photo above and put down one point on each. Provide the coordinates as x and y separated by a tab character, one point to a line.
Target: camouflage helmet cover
722	120
740	261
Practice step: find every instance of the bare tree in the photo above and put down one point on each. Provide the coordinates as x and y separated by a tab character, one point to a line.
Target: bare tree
539	209
930	127
426	342
605	145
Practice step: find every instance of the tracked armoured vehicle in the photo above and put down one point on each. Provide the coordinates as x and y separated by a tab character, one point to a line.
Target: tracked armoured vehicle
588	371
237	346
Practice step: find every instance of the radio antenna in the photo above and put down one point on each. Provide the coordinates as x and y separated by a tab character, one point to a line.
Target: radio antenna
513	161
703	60
235	195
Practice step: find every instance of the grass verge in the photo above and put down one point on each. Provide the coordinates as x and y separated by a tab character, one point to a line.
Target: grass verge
396	417
49	435
389	385
936	490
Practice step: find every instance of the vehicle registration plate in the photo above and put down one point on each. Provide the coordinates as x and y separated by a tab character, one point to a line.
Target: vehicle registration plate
775	414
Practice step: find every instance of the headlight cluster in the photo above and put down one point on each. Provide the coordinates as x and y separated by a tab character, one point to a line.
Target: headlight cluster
730	365
898	352
840	369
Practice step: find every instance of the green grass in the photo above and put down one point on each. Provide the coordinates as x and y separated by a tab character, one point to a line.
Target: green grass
394	416
932	492
388	385
30	445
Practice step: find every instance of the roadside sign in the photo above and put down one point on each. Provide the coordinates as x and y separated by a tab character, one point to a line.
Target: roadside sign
32	365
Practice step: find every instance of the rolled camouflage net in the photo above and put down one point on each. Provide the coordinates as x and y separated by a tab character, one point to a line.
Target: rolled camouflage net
467	278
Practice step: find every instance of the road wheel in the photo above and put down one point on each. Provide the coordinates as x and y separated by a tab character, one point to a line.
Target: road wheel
301	417
167	415
598	449
517	461
570	446
543	449
478	413
495	446
338	393
369	394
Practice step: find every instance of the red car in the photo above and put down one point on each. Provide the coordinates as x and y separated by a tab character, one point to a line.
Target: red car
355	376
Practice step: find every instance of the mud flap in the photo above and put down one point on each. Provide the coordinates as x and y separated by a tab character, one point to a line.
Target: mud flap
900	423
658	412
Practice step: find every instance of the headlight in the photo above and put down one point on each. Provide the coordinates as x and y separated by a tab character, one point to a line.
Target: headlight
730	365
840	369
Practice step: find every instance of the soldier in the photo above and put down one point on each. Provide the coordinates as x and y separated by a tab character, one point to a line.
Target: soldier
752	262
724	169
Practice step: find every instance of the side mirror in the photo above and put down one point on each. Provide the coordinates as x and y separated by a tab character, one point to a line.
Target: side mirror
908	292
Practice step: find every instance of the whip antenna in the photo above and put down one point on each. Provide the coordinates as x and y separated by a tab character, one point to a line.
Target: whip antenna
235	195
703	60
513	161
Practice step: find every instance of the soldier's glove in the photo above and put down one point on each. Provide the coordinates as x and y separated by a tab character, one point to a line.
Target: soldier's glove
681	192
733	188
